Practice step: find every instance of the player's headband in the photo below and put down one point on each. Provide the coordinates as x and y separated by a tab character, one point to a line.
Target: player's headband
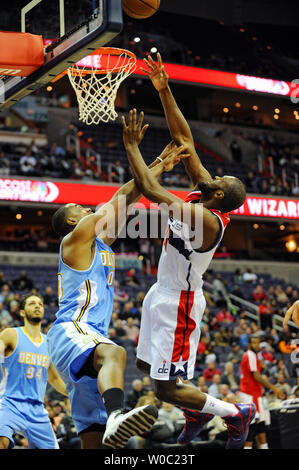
194	196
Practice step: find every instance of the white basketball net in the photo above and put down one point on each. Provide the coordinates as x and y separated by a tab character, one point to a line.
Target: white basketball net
96	93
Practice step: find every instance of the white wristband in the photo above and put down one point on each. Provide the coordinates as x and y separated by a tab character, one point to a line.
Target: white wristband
158	158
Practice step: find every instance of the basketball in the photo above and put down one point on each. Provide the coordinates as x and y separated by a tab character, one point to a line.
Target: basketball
140	9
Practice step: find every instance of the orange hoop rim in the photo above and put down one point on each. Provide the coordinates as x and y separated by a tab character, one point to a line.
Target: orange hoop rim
113	51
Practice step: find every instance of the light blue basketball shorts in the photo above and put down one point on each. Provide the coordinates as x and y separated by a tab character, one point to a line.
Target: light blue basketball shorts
30	420
70	344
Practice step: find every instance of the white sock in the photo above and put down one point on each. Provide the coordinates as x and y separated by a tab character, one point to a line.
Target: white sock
264	446
247	447
219	407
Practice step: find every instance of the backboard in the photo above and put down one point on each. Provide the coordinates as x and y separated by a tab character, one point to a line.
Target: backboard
75	33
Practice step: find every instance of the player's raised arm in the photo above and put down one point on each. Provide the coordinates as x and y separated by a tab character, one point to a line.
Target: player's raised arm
80	226
151	188
178	126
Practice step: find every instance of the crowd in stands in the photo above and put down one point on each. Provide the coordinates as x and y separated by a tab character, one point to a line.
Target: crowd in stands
279	159
226	331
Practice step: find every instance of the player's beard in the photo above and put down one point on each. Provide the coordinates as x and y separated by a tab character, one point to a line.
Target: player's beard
34	320
205	189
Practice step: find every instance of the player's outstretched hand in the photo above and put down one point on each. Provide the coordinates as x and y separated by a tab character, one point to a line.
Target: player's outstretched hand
173	156
133	133
156	72
293	312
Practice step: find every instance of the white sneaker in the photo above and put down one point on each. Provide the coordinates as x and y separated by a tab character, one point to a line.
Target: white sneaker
121	426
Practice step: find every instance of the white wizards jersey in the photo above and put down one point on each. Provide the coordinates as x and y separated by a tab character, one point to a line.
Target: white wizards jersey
180	266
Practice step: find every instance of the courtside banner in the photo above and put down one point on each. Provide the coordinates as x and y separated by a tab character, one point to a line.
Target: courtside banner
94	195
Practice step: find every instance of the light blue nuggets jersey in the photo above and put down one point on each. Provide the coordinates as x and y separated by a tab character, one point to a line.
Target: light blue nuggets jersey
87	296
27	369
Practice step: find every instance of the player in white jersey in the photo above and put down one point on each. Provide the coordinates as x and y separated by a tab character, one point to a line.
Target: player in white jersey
173	307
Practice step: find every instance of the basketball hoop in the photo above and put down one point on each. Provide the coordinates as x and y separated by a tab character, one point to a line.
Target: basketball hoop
96	80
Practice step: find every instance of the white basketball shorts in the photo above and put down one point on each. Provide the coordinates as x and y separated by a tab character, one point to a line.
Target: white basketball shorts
170	332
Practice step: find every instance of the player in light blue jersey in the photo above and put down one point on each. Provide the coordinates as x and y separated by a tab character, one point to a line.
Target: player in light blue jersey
27	365
91	365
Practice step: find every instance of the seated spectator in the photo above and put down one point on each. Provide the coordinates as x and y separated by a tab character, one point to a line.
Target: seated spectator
116	308
202	345
113	319
58	412
66	431
49	296
205	330
23	283
201	384
210	355
240	328
210	371
14	312
271	293
265	315
259	294
117	172
119	294
236	355
214	387
238	293
244	338
277	368
113	336
131	279
120	330
135	393
289	292
170	411
139	300
229	377
129	310
238	276
224	316
224	391
147	383
219	291
249	277
282	383
266	353
3	324
4	165
223	337
281	296
132	331
6	295
5	315
28	164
